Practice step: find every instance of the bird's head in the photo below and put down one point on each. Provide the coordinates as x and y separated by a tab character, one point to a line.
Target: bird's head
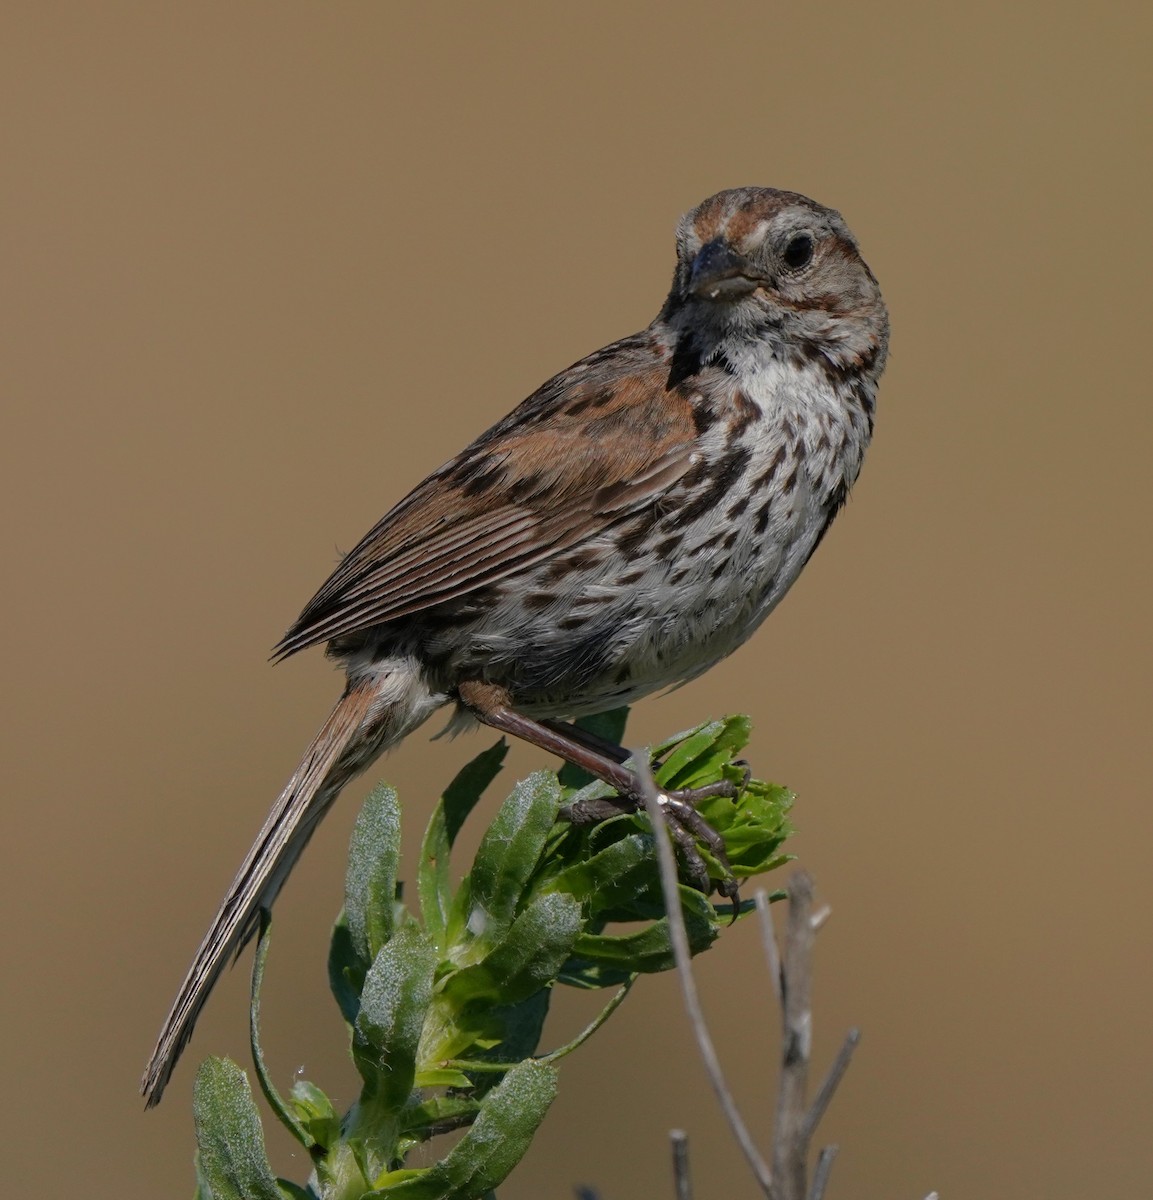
758	266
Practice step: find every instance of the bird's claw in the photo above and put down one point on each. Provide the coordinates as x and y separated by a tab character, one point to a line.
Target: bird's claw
689	830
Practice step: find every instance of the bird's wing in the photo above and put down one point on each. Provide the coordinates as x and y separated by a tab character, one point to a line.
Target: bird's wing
591	447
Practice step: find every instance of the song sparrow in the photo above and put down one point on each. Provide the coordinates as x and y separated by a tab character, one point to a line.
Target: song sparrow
627	526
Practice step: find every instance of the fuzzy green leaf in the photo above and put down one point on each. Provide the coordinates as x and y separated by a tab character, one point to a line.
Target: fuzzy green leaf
614	876
508	855
526	959
497	1141
393	1004
370	884
231	1163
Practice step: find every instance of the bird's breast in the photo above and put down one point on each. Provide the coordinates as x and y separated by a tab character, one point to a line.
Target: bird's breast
674	587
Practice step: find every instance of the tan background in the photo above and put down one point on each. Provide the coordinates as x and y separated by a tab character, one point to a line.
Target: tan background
265	265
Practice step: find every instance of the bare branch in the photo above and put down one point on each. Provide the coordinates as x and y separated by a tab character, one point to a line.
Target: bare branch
790	1144
822	1171
792	977
680	942
682	1182
831	1080
769	938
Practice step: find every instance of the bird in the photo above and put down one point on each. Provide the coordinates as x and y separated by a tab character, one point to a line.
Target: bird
623	529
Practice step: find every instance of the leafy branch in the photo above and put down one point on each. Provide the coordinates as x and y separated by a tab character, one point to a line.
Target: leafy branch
446	1005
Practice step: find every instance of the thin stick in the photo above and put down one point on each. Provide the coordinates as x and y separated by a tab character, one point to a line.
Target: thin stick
680	943
769	939
682	1182
790	1146
830	1082
821	1173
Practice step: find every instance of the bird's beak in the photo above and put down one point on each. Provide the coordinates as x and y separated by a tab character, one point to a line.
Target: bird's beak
719	273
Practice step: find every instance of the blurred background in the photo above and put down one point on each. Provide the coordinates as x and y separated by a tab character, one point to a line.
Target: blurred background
266	265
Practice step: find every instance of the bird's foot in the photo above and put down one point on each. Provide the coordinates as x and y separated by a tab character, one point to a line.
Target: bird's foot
688	829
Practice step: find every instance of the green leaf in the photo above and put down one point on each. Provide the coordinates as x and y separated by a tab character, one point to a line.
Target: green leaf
433	883
649	950
370	885
231	1163
497	1141
469	785
525	960
616	875
754	828
346	970
508	855
316	1113
436	1113
610	727
686	754
393	1004
293	1190
523	1025
702	755
442	1077
587	975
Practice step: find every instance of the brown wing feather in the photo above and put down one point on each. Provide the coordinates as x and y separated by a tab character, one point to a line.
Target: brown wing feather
591	446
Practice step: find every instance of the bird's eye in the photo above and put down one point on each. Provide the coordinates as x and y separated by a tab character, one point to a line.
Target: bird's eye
798	252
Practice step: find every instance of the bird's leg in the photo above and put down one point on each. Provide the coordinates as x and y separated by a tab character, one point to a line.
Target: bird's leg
610	750
493	706
591	741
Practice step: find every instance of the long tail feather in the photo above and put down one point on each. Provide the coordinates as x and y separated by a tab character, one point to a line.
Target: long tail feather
336	754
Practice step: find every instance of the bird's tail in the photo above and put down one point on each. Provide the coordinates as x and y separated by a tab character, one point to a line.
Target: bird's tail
346	744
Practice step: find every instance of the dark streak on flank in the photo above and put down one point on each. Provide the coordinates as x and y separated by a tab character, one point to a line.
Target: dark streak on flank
667	548
729	471
739	507
745	412
767	474
836	502
636	533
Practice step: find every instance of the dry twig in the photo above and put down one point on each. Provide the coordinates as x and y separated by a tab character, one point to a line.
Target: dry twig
791	973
